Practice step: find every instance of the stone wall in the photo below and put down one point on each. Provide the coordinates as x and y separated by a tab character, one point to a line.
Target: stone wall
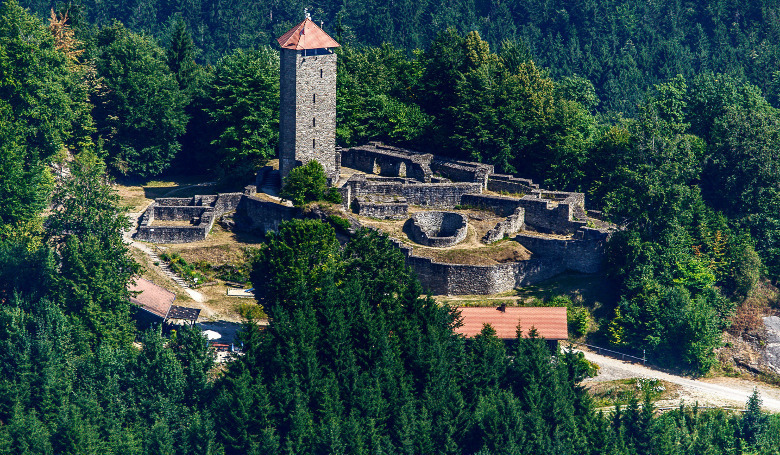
541	214
584	253
440	195
179	212
256	215
510	184
438	229
460	279
551	257
200	210
226	202
511	225
379	159
174	201
175	234
172	234
462	171
388	210
500	205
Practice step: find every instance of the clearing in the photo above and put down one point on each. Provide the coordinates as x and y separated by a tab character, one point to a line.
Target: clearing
717	391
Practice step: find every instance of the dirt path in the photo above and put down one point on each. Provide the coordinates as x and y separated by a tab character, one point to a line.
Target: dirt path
707	392
128	237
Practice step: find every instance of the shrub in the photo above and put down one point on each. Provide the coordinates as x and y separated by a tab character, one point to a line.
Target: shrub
341	224
305	184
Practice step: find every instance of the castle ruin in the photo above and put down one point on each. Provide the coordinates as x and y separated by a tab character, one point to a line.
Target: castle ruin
379	181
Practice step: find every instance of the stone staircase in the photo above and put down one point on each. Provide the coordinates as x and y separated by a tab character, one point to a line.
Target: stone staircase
271	180
167	270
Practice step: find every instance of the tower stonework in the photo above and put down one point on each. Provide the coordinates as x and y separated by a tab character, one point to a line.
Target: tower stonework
307	112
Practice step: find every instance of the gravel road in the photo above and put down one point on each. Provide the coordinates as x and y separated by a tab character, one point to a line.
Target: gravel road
708	391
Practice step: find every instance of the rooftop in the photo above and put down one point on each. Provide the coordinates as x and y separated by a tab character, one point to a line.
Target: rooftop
549	322
152	298
306	35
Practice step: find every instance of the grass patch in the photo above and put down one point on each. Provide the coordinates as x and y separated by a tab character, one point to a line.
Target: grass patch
595	292
623	391
496	253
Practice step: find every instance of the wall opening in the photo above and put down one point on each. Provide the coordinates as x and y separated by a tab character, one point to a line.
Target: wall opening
320	73
313	97
314	121
313	143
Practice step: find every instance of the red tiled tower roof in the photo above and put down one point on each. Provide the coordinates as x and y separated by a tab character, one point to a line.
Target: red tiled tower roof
306	35
549	322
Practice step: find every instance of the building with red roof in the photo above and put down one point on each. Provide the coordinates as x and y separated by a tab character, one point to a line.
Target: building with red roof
549	322
156	303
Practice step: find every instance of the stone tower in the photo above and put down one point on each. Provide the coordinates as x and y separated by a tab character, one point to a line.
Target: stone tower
307	85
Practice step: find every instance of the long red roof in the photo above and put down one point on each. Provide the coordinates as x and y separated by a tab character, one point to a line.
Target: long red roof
549	322
306	35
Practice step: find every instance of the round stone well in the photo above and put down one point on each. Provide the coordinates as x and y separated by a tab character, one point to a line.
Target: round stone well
438	229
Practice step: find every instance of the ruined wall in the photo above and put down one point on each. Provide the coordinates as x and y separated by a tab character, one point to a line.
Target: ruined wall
542	214
179	212
510	184
226	202
511	225
500	205
174	201
256	215
202	211
440	195
584	253
548	216
388	210
376	158
438	229
459	279
174	234
462	171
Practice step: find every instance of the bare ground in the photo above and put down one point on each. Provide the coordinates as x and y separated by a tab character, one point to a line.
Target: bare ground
719	391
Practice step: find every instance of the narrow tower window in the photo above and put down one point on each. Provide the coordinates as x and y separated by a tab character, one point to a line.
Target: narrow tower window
313	143
313	97
320	73
314	121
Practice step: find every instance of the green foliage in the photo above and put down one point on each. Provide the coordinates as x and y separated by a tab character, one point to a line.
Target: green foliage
242	109
339	223
356	359
374	98
192	273
39	90
180	56
754	422
295	259
95	265
307	183
140	113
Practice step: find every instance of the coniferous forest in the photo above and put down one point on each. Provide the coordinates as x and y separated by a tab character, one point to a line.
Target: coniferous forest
665	114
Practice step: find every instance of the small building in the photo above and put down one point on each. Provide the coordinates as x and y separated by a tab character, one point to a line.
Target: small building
549	322
155	305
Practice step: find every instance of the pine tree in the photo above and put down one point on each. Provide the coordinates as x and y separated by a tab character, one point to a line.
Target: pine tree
181	58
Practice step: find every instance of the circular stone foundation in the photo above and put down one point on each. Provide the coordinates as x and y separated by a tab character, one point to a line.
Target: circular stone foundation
438	229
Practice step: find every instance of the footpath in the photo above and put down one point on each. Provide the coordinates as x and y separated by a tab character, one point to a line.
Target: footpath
720	392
